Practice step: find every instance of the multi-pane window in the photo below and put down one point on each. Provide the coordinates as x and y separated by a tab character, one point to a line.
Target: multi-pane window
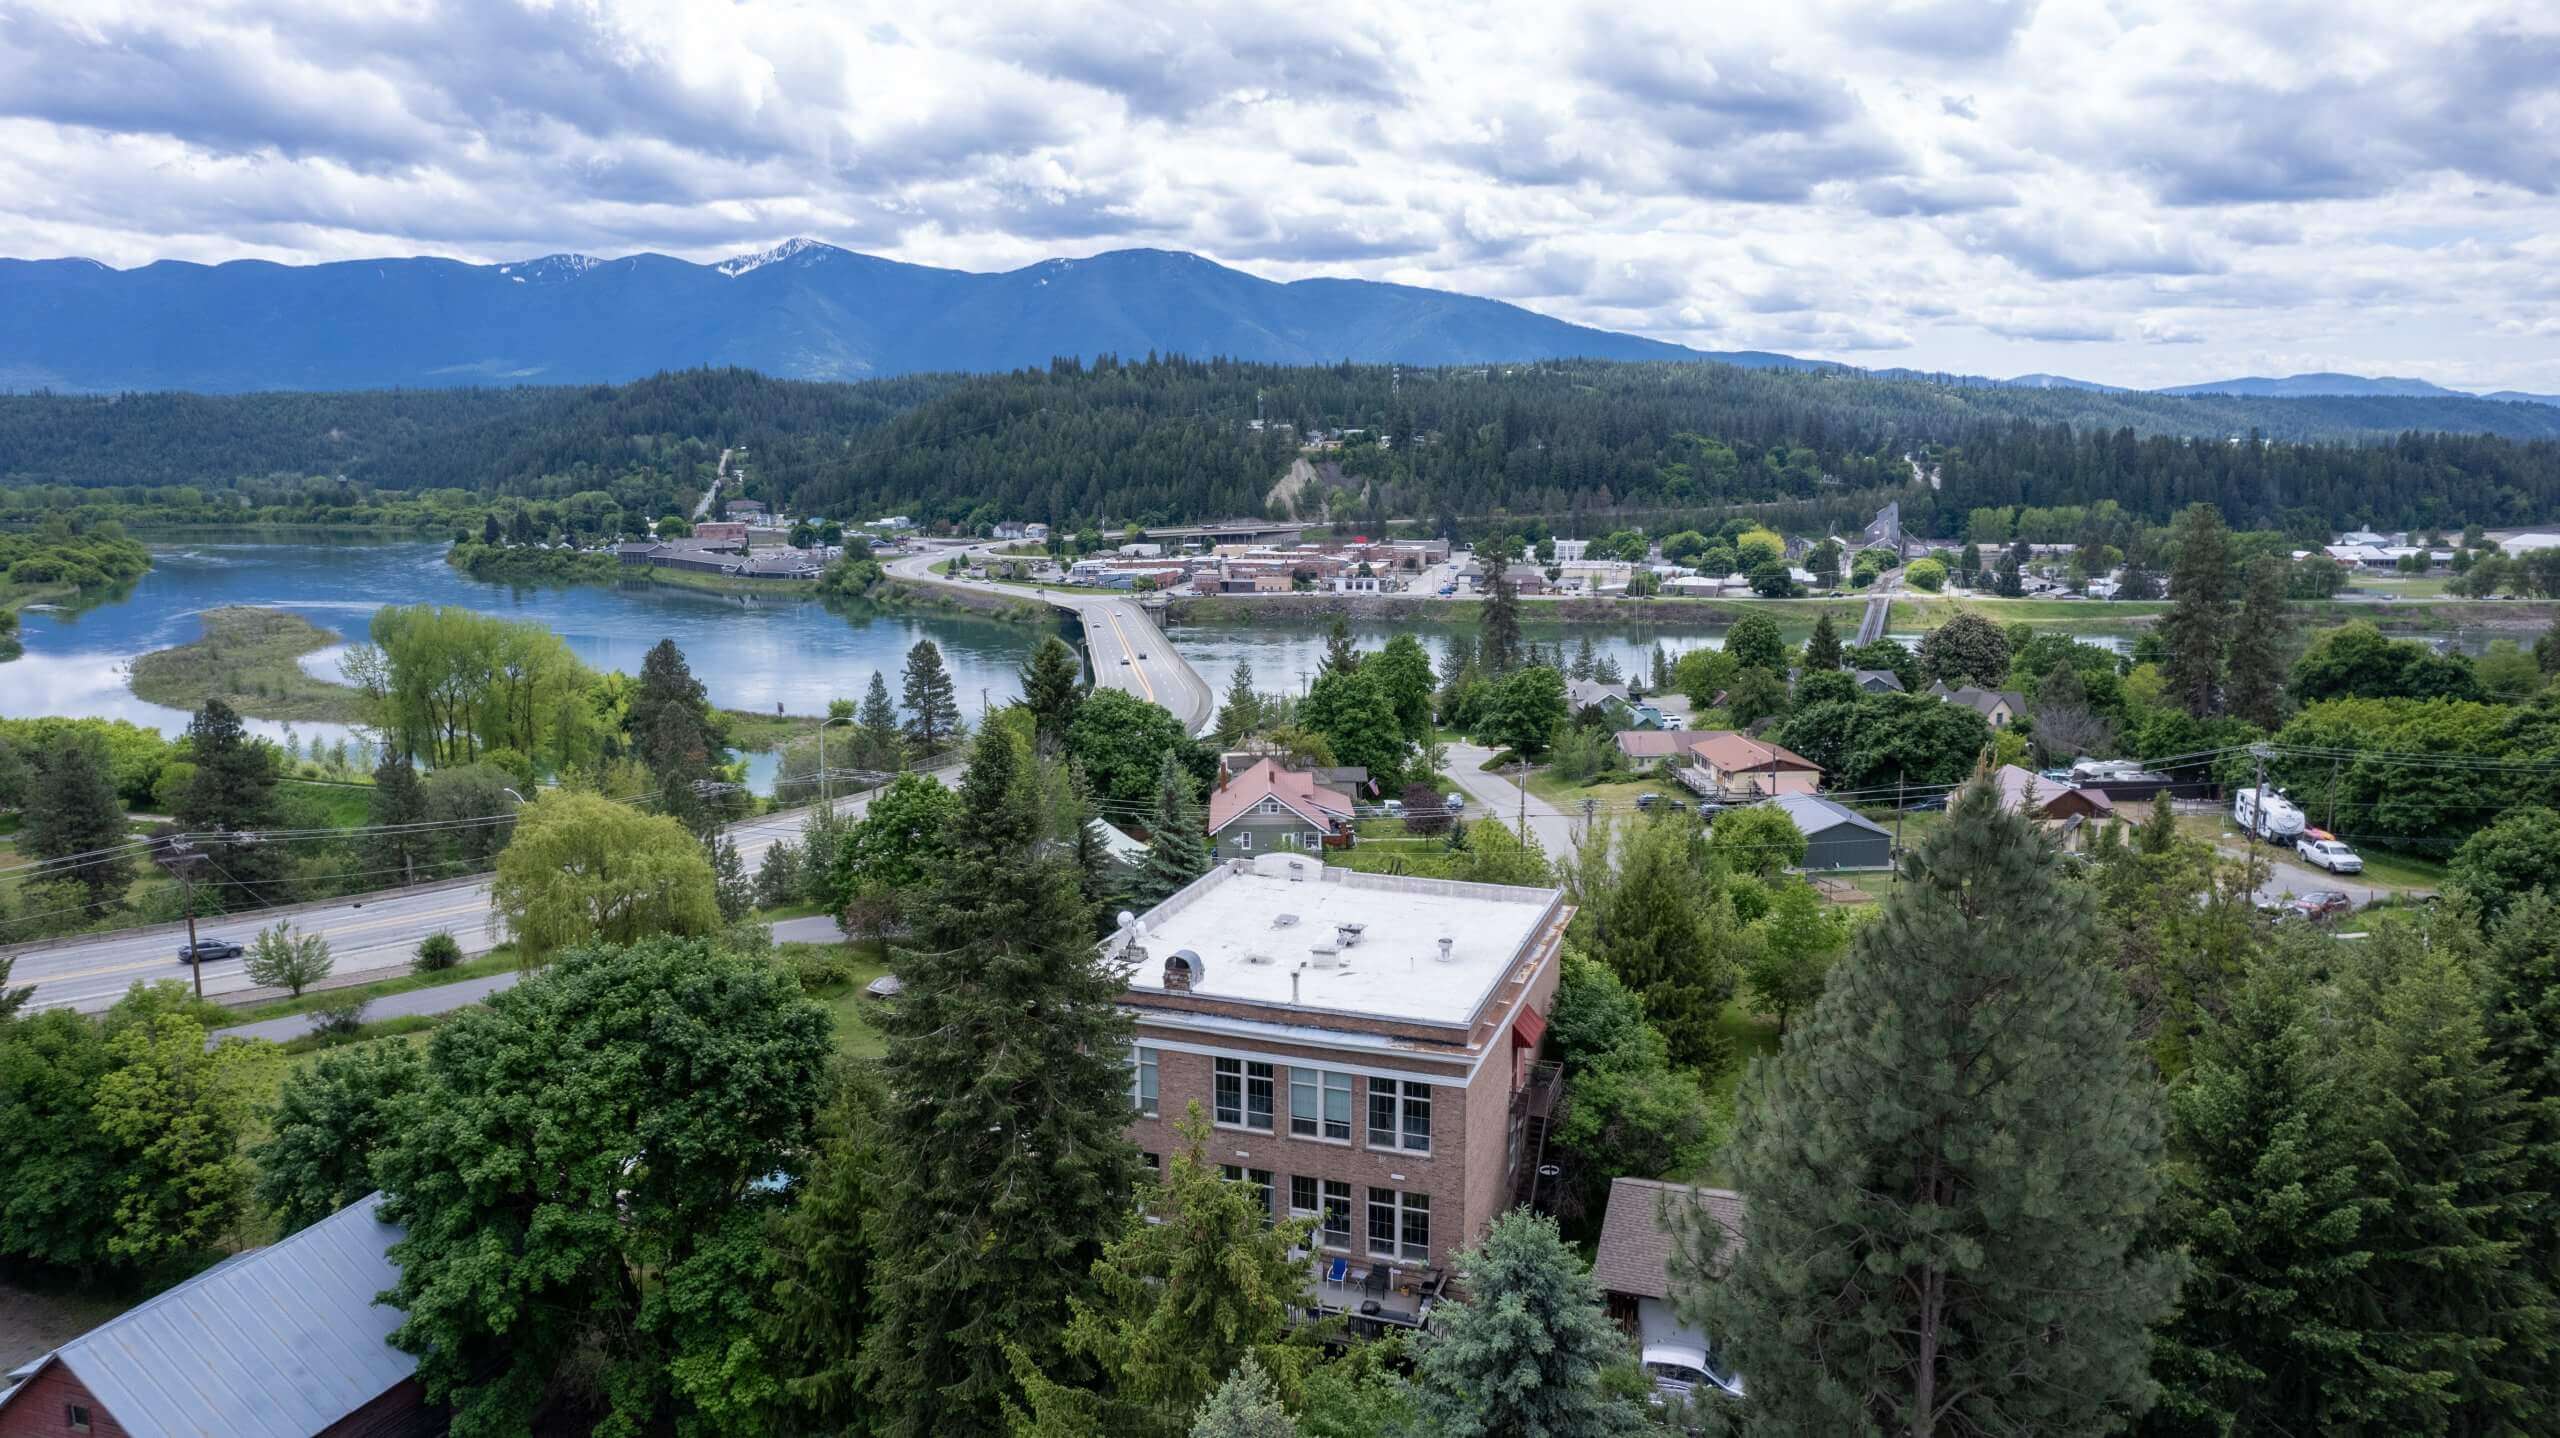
1399	1224
1155	1164
1260	1178
1244	1093
1244	838
1400	1115
1335	1230
1320	1104
1142	1080
1302	1196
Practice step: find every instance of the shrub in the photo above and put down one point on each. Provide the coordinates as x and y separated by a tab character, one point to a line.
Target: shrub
437	952
340	1018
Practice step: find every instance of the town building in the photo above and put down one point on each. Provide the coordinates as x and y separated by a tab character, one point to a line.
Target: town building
1835	837
1877	681
721	534
746	508
1632	1265
280	1342
1997	706
1364	1048
1737	765
1268	807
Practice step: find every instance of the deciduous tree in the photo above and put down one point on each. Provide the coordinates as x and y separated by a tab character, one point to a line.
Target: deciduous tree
1967	649
330	1118
279	958
584	869
1755	643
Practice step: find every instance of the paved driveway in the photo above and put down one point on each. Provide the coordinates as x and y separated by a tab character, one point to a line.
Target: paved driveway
1495	797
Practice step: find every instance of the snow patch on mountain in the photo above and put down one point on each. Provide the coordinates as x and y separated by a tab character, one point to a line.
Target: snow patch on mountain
788	249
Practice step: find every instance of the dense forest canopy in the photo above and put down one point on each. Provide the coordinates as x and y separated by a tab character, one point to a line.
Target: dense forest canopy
1168	439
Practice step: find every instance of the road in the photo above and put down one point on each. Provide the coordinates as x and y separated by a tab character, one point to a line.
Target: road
445	998
702	508
1127	649
1499	799
366	934
2283	878
1879	607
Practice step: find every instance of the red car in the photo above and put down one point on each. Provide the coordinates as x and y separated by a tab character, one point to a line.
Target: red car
2320	905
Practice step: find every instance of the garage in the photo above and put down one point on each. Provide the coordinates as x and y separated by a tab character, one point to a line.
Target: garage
1834	837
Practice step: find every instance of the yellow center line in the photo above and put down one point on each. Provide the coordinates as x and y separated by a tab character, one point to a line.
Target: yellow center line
1137	662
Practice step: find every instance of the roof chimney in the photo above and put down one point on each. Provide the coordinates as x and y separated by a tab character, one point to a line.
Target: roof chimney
1447	945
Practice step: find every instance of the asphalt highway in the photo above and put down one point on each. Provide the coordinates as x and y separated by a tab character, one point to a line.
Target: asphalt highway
1128	651
371	932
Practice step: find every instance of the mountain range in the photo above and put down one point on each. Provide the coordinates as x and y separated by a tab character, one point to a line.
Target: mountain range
802	310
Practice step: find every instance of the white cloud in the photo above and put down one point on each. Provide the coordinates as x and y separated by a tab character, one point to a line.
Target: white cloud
2142	191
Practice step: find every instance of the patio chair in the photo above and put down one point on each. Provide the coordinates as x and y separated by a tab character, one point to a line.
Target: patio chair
1373	1290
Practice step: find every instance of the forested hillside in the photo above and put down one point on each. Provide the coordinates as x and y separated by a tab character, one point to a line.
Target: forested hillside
1169	439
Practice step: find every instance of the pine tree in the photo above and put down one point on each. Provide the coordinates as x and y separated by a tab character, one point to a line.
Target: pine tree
233	790
397	800
2460	1334
933	714
878	742
823	1262
73	817
1822	651
1523	1351
1498	639
734	890
1652	924
1583	662
1052	687
1662	667
1006	1164
1340	657
1177	840
1195	1282
672	732
2266	1200
2197	627
1948	1169
2254	674
2524	1035
1242	711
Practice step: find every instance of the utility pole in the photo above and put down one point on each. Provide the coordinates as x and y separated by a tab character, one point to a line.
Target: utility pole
2257	821
1897	825
1520	782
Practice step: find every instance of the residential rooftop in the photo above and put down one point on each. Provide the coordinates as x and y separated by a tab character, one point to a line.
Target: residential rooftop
1255	929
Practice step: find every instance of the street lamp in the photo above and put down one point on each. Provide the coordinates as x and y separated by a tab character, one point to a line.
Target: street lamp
826	795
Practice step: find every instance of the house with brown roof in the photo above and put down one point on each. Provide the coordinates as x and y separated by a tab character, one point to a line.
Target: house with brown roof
2071	808
1632	1265
1645	746
1266	807
1738	765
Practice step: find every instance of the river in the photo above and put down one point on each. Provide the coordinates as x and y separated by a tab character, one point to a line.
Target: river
750	651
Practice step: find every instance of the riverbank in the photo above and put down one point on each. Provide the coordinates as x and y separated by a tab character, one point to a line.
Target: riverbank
250	659
1423	609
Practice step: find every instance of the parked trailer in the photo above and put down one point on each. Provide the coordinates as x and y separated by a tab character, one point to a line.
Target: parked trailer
2266	814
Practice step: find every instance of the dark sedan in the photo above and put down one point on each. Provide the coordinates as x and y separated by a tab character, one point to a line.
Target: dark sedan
206	950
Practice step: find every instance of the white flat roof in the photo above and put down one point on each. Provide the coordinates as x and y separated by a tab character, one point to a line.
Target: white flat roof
1254	928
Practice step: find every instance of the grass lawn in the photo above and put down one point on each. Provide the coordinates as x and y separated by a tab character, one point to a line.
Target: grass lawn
848	1005
1751	1036
2059	615
1615	796
2383	868
344	804
755	731
251	660
496	961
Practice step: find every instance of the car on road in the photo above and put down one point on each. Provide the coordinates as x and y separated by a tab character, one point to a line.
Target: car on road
1124	659
206	950
2328	853
1448	589
2320	905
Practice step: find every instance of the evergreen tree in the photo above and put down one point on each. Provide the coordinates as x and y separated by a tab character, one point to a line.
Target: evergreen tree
877	742
823	1262
734	890
1584	661
2197	628
1457	658
1006	1161
933	714
1245	1406
1948	1169
674	734
1662	670
1241	713
1522	1353
397	800
1177	840
1822	651
1654	923
1498	627
2524	1035
2253	682
2459	1332
2266	1200
1198	1279
233	790
1339	655
1052	687
73	818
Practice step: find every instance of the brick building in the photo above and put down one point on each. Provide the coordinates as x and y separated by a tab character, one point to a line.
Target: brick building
1365	1048
282	1342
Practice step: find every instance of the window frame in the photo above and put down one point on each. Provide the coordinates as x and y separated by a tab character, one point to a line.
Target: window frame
1406	1100
1244	838
1146	1081
1407	1217
1240	1074
1324	1084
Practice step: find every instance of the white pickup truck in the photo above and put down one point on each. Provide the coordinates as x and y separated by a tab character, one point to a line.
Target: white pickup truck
2328	852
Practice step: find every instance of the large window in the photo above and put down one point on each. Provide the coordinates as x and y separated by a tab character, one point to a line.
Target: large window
1400	1115
1260	1178
1244	1094
1328	1202
1142	1080
1320	1104
1399	1224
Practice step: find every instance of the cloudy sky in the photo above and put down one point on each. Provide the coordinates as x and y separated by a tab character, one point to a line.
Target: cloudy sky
2139	191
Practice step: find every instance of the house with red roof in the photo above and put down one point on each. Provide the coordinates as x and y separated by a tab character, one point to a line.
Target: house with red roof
1267	807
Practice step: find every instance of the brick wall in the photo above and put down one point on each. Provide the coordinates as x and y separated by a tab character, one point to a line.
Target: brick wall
37	1410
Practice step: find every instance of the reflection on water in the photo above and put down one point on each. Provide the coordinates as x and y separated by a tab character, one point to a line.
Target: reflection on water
750	651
